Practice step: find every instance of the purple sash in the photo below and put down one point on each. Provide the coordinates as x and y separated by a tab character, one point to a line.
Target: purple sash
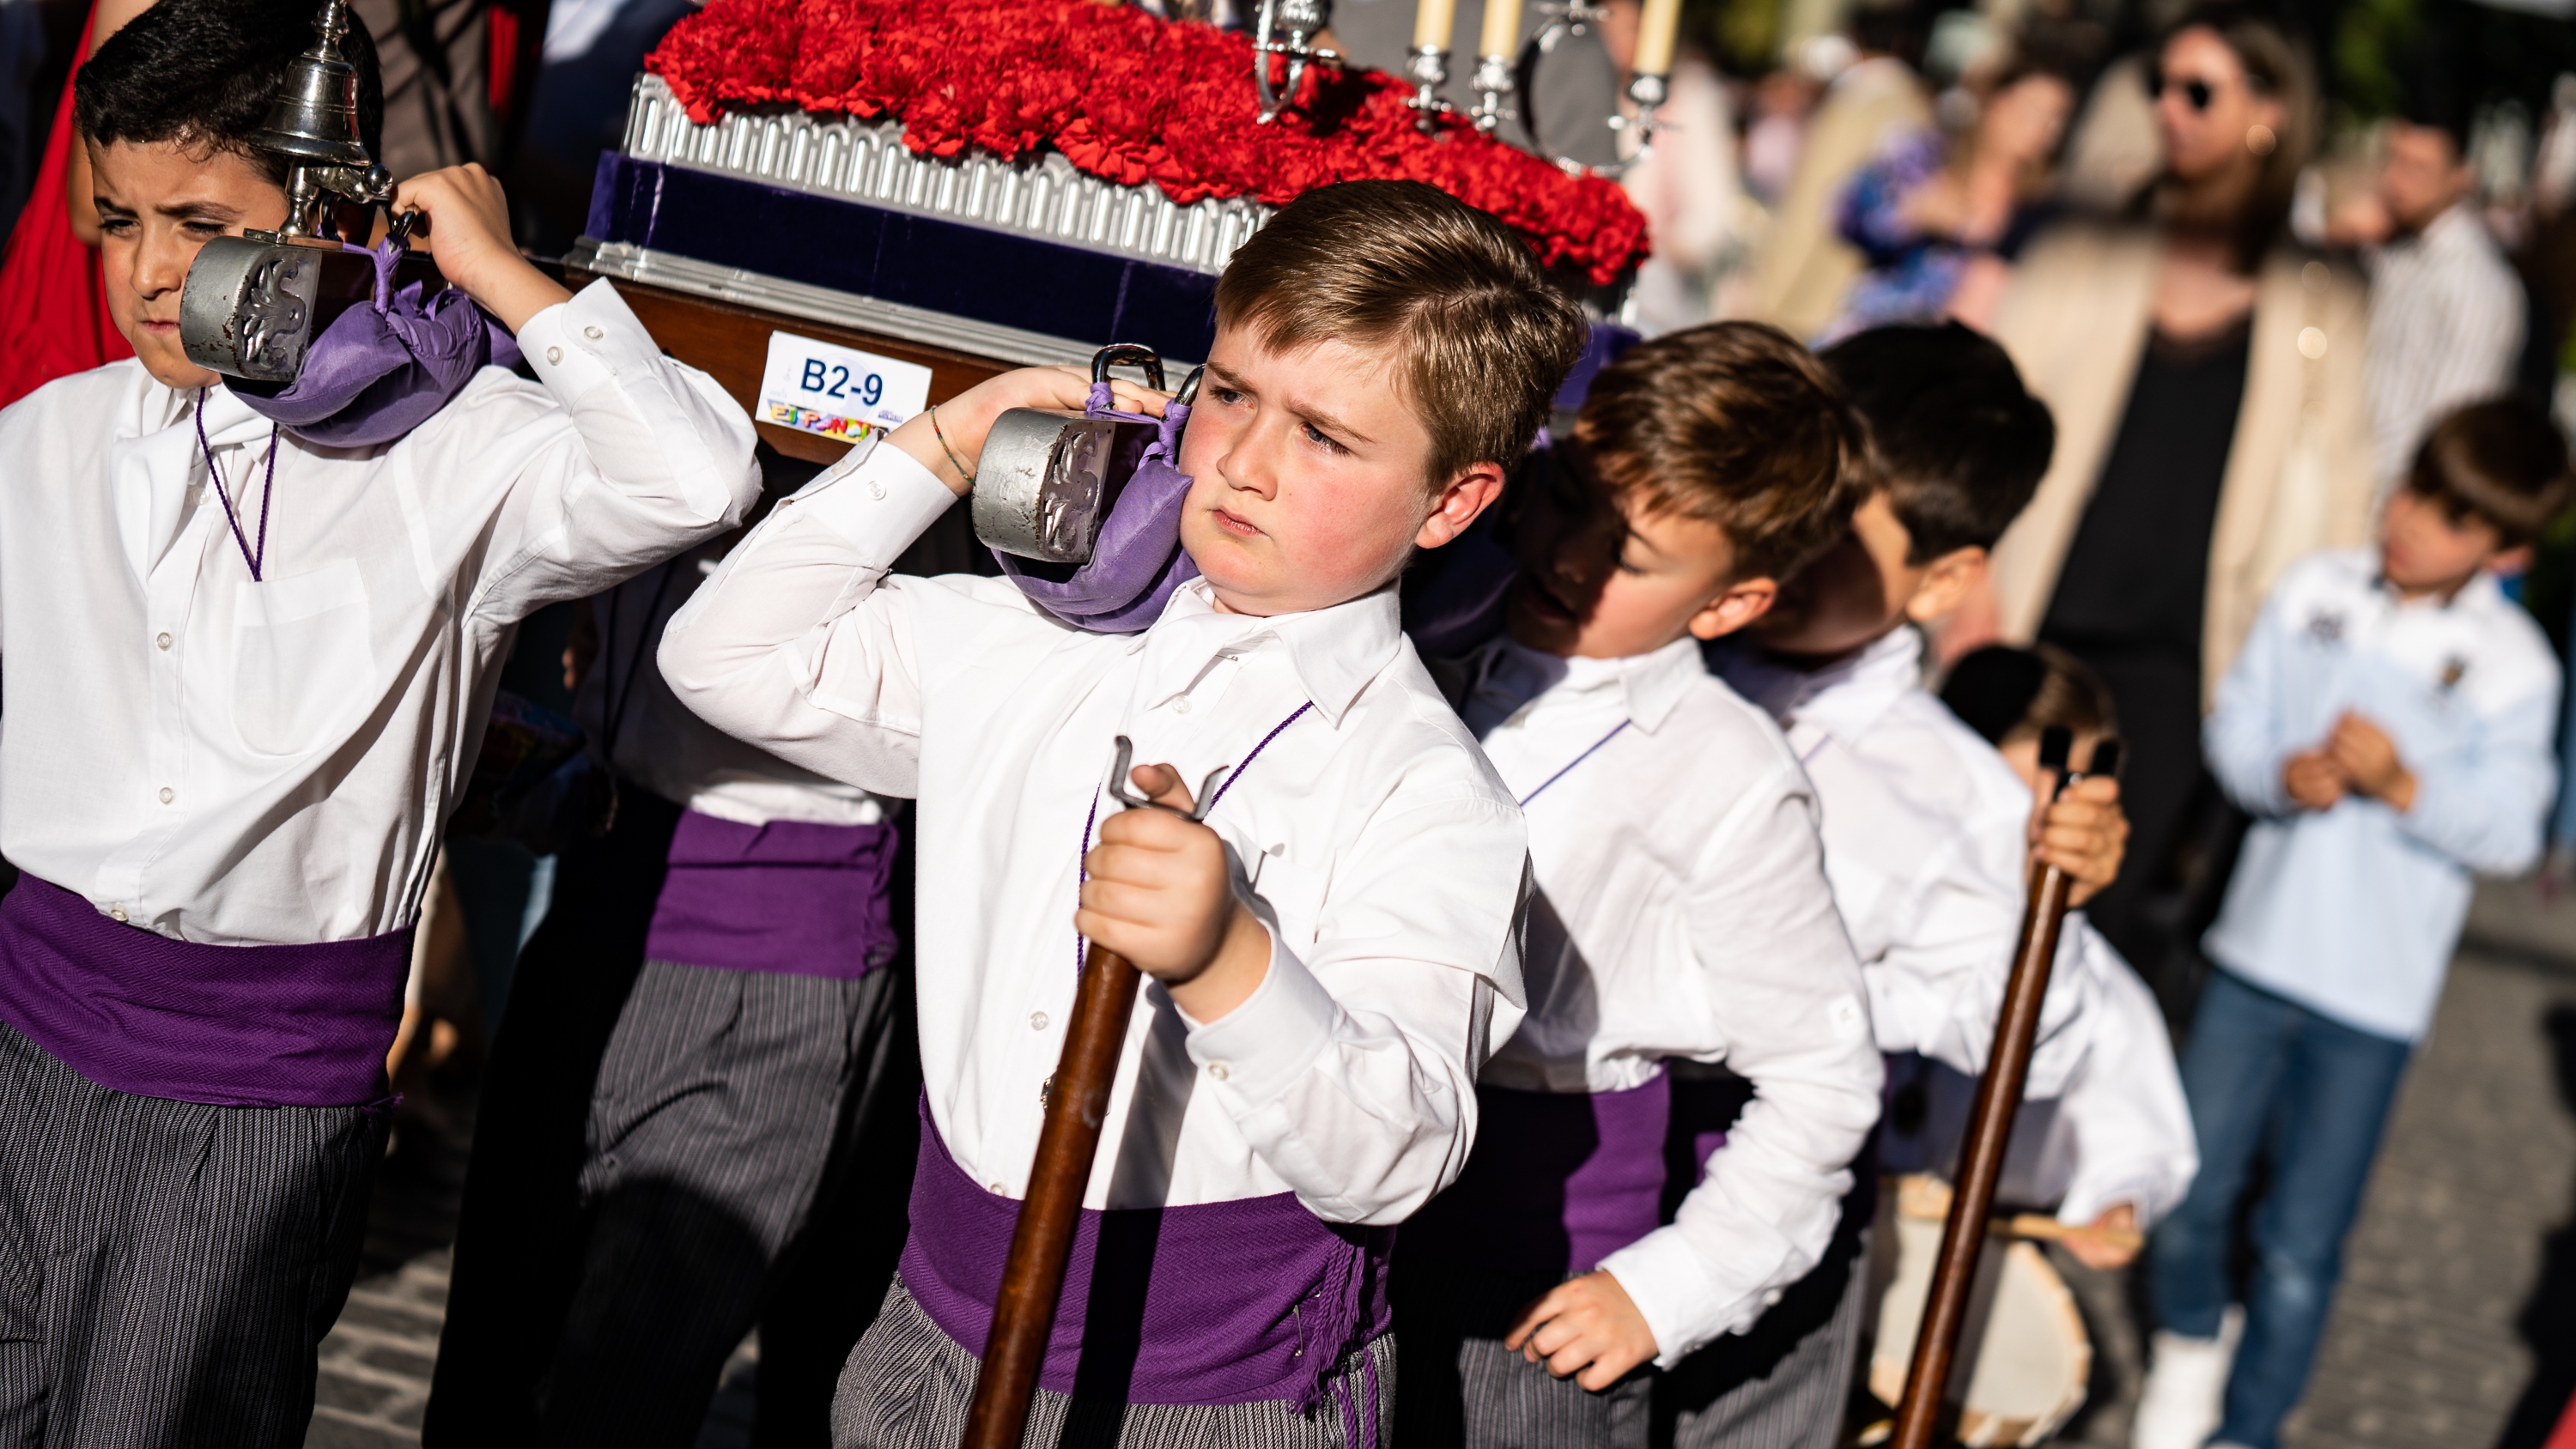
1558	1181
790	897
229	1026
1213	1303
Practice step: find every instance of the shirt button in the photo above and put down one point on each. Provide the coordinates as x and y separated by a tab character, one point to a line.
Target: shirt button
1220	1070
875	489
168	794
161	639
118	912
593	333
554	354
1037	1021
995	1189
1181	705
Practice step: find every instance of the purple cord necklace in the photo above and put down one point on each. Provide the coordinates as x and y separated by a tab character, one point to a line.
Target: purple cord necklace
267	490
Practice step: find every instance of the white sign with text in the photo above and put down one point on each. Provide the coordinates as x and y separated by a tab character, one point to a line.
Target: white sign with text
838	392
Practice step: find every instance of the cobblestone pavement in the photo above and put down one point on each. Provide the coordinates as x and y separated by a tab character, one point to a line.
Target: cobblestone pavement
2456	1328
376	1361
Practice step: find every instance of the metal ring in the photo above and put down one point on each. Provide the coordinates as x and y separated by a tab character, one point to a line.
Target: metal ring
1133	354
1188	396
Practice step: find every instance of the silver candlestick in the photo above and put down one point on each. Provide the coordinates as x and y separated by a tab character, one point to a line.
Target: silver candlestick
1428	68
1492	84
1287	28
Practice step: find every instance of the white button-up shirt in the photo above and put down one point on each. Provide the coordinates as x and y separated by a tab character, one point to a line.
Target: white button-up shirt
2119	1133
1926	835
2354	911
243	763
661	744
1370	832
1682	910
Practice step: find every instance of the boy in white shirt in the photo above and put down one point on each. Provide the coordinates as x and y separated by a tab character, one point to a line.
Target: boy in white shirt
1333	950
1927	832
231	740
1681	910
2389	726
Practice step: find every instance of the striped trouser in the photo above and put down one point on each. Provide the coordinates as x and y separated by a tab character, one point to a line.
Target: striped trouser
908	1386
1784	1383
1467	1390
167	1269
1781	1385
741	1153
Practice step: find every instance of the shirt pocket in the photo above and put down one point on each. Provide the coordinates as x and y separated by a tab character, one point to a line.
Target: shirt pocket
302	660
1294	893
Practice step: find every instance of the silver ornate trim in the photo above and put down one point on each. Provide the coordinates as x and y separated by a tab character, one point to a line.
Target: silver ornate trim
823	304
1041	195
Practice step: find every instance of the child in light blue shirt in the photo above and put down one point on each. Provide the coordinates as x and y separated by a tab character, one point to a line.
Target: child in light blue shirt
2389	726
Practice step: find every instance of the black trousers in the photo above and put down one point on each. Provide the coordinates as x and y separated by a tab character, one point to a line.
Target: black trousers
664	1156
168	1269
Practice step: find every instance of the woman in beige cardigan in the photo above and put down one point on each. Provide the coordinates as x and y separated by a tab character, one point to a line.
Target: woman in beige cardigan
2206	379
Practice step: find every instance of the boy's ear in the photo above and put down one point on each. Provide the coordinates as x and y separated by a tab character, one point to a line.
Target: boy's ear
1946	583
1735	606
1459	502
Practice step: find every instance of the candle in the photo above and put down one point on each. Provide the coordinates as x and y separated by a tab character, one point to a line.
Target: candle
1502	28
1655	31
1431	24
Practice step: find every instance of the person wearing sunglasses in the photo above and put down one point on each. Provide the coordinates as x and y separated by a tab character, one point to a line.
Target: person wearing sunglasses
2206	377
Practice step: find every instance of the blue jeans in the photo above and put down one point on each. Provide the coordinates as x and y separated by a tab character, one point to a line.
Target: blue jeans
2266	1074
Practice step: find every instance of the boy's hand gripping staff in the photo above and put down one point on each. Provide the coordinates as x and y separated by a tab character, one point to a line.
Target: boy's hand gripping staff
1999	1091
1077	1103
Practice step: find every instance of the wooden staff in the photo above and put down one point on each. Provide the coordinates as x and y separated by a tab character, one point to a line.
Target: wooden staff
1042	1241
1981	1162
1077	1103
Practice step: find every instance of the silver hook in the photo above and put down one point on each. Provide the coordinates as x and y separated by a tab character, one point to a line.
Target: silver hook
1119	791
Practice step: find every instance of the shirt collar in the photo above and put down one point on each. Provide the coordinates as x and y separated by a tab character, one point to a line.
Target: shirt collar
1844	699
1508	675
1335	651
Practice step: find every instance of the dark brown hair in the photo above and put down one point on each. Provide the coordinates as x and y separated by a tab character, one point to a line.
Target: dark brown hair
2000	691
1955	439
1482	341
1736	424
2499	461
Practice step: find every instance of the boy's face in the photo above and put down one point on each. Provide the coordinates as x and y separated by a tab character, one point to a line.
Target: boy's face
1604	578
1863	587
156	205
2423	550
1309	469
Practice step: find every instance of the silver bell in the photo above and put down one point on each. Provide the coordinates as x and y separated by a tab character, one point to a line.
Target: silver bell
314	117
